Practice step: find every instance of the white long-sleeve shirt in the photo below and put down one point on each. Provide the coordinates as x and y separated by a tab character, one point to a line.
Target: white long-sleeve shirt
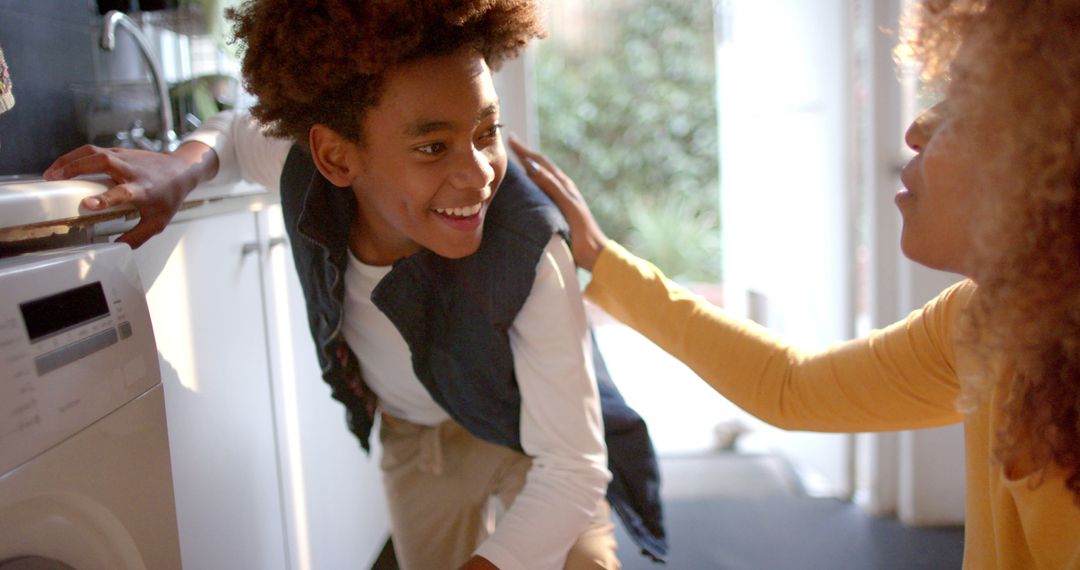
561	425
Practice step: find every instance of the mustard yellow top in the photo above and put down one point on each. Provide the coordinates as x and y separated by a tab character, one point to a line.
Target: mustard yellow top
904	376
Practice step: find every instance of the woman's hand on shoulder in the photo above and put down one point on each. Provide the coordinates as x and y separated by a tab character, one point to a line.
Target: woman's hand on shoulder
154	183
587	239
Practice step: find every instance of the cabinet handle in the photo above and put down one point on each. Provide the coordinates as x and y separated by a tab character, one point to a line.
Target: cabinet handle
254	246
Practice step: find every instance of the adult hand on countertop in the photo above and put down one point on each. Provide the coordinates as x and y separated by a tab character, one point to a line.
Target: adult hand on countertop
588	240
154	183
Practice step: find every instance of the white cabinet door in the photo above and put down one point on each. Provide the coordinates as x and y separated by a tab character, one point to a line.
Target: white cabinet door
206	304
336	513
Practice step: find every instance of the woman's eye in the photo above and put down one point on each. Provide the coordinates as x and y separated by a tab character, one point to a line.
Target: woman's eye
493	131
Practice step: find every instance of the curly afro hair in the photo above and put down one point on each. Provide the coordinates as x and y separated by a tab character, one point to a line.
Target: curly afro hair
1014	65
322	61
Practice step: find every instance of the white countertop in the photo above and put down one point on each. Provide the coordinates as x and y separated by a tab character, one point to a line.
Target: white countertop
31	202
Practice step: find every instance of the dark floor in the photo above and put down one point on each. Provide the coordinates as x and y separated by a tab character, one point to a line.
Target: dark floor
796	533
728	511
754	516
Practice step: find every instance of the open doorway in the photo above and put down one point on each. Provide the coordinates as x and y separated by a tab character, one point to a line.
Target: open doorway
734	144
662	111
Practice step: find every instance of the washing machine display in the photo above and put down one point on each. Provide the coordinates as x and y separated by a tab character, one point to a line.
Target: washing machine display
65	311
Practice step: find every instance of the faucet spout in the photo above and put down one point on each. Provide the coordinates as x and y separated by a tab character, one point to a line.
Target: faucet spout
115	18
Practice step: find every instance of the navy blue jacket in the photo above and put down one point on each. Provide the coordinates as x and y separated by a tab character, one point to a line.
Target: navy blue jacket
449	310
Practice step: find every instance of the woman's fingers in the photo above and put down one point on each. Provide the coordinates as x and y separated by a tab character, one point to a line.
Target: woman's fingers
528	155
546	175
589	240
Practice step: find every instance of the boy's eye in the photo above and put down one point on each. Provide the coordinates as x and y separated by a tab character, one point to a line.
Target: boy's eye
493	131
431	148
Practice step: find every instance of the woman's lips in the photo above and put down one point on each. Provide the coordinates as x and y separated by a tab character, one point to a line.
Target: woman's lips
904	194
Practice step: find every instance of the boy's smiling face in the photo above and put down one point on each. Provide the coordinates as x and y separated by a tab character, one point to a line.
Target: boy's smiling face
430	161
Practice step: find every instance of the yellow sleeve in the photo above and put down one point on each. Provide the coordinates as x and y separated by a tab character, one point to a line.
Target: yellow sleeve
900	377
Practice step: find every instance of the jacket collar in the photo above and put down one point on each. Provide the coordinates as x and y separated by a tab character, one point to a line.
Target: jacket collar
327	214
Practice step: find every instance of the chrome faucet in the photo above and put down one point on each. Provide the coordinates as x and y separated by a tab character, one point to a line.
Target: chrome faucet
167	140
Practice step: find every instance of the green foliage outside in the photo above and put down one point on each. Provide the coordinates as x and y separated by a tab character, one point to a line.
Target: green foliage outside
631	117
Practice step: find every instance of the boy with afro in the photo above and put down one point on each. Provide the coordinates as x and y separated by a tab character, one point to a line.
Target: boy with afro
441	292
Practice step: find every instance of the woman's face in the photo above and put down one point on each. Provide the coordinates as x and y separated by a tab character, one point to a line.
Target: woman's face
939	196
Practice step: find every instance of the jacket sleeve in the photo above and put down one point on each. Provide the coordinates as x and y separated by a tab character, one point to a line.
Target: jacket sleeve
900	377
561	426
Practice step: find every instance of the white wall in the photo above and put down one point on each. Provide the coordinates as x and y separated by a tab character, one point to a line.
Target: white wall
783	85
517	109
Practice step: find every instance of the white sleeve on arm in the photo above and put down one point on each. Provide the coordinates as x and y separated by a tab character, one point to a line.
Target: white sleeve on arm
244	151
561	426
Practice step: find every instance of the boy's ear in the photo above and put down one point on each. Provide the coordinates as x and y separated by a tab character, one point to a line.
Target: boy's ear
334	155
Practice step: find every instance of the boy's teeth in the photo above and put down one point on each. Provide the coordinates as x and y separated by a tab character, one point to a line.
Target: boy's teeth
459	212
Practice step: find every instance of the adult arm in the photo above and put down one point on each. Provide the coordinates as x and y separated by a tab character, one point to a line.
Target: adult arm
902	377
228	147
561	425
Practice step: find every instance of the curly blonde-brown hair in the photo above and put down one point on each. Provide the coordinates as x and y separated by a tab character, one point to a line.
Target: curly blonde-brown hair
322	61
1015	65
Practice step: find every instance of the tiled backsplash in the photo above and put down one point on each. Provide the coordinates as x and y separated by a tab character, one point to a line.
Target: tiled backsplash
52	48
50	45
47	44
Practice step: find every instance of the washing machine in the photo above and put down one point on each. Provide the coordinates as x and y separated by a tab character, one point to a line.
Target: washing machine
85	476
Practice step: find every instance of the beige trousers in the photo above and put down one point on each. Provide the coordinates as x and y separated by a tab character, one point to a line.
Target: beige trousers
438	483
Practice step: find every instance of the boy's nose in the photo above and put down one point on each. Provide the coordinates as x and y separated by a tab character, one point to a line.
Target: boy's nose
474	170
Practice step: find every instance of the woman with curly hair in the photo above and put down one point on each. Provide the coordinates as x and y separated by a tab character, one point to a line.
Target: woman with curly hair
993	193
439	285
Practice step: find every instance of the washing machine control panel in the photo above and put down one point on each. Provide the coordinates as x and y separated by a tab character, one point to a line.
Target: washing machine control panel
75	345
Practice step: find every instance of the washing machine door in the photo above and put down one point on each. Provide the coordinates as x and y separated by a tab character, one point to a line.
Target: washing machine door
64	531
100	500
